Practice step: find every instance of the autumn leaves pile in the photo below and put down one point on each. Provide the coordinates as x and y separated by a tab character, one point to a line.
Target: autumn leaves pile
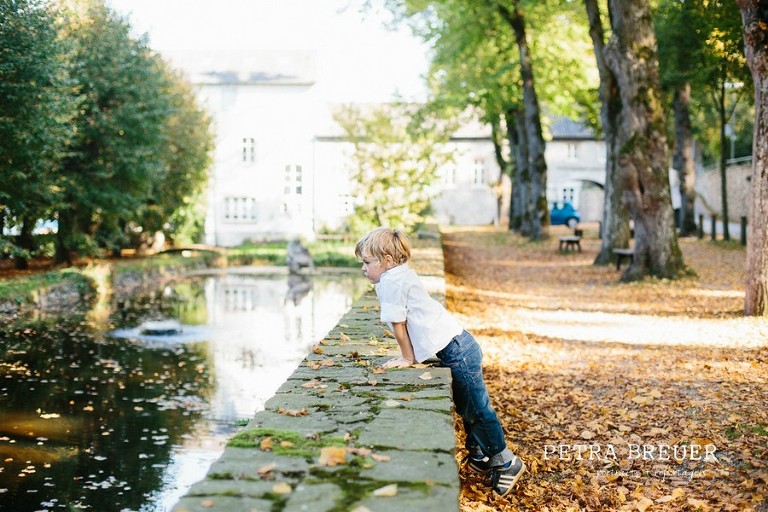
677	422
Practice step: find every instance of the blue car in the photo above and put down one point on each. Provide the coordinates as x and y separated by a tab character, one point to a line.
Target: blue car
565	215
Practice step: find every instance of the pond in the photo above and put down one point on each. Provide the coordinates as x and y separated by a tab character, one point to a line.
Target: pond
97	414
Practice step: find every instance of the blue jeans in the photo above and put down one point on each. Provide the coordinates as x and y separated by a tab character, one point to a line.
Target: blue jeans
464	357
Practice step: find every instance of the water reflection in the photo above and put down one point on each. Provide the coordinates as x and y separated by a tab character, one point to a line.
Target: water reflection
97	422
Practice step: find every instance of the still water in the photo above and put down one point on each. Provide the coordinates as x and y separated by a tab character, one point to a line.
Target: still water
95	415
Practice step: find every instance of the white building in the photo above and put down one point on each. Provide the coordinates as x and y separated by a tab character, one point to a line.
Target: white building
281	167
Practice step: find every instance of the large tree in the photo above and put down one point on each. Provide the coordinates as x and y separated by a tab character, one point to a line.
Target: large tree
631	55
615	226
480	50
755	20
117	155
703	69
36	108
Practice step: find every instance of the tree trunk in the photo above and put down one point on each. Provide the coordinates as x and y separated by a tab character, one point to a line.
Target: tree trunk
615	226
537	164
64	238
521	187
723	174
682	160
502	162
754	14
26	242
643	155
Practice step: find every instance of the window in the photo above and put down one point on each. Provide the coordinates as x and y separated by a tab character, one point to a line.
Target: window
347	204
568	195
249	150
294	180
448	174
479	173
240	209
572	155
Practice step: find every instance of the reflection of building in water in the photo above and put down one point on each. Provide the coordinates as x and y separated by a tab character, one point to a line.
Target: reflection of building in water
264	329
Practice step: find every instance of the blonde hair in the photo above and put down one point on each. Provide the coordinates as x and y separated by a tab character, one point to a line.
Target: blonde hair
383	241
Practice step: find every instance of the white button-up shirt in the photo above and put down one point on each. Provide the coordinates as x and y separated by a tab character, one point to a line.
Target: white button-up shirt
404	298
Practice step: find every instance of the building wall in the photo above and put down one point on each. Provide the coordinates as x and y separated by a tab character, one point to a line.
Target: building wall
709	196
262	179
574	169
281	169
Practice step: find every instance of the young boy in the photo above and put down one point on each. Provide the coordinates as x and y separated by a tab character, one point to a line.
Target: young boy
423	327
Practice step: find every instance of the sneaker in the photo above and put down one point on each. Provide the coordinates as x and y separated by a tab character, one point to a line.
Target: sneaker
505	477
480	466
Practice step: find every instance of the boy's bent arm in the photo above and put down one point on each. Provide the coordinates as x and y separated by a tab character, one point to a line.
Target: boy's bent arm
406	348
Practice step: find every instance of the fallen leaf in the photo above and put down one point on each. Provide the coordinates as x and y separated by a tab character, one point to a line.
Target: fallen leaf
643	504
392	403
380	458
332	456
282	488
266	444
343	337
263	470
292	412
425	376
386	491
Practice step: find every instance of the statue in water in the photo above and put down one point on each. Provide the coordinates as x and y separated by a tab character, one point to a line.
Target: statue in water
297	257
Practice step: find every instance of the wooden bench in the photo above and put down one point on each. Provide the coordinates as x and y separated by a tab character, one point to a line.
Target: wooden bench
622	254
570	243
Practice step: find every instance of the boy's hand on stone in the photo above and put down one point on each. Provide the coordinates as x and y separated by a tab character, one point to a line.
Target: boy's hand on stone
398	362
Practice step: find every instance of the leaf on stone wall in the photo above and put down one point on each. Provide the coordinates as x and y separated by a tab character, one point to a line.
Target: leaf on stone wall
292	412
386	491
282	488
332	456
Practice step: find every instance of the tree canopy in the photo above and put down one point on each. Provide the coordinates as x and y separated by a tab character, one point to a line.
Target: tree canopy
102	136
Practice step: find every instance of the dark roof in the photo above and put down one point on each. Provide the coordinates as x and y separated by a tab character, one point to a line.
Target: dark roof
248	67
565	128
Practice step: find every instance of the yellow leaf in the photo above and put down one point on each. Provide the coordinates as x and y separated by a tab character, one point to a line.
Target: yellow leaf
266	444
343	337
292	412
281	488
643	504
332	456
386	491
263	470
698	504
380	458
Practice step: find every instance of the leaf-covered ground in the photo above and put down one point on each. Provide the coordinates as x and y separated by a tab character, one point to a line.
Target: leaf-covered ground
646	396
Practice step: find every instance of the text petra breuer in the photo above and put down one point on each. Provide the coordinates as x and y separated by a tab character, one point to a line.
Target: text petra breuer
633	451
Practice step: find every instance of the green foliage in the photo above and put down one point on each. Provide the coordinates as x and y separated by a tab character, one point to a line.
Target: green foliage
96	132
700	42
397	151
36	109
20	290
476	60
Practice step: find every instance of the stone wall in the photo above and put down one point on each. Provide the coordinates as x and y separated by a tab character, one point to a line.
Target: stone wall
709	195
343	435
